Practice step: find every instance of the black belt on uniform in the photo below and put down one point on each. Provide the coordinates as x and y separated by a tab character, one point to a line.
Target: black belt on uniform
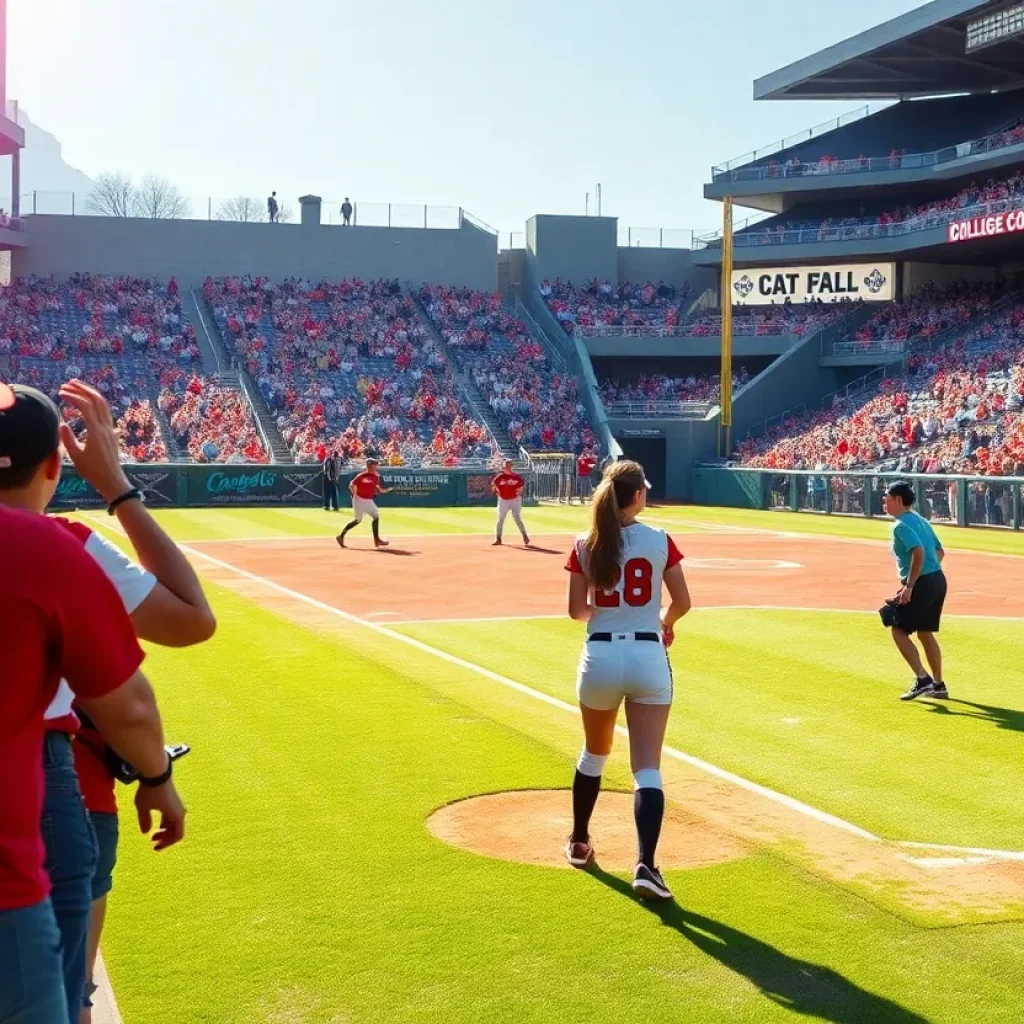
607	637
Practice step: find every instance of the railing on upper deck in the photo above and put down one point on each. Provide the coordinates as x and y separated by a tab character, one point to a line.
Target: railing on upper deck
875	347
248	209
724	170
661	410
866	164
864	232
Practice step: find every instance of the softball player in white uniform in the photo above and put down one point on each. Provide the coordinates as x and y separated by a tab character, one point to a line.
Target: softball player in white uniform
616	575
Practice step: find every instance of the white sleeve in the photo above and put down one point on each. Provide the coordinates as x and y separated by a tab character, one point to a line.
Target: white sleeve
132	582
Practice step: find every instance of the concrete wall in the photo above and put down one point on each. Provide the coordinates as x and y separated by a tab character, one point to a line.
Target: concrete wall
193	250
688	347
629	367
572	248
795	378
687	443
512	272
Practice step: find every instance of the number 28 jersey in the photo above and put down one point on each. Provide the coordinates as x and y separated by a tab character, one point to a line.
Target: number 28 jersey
634	605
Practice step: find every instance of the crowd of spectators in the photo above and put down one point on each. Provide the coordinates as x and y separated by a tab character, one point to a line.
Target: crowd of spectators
1005	191
349	368
794	167
211	421
93	315
929	311
956	409
539	407
138	430
600	304
797	319
655	388
119	334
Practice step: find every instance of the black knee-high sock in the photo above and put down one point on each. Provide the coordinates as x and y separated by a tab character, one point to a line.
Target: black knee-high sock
375	526
584	796
648	811
350	526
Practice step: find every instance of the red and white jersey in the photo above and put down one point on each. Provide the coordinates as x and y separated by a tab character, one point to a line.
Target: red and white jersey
133	583
634	606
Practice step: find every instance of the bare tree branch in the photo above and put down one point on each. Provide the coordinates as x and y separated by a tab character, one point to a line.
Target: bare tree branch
112	196
156	197
241	208
285	214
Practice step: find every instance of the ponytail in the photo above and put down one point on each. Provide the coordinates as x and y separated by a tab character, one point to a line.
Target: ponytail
604	540
603	543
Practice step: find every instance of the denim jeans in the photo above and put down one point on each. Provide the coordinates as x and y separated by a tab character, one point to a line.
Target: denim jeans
70	863
31	982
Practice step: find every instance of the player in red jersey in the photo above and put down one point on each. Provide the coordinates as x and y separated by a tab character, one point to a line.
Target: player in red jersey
364	488
508	486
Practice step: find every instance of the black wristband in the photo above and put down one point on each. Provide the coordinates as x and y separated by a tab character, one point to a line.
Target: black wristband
133	495
158	780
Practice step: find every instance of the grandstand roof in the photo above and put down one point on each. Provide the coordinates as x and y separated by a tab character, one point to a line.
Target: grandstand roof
921	53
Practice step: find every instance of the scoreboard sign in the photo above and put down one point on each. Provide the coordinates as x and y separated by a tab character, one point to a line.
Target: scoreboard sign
990	226
767	286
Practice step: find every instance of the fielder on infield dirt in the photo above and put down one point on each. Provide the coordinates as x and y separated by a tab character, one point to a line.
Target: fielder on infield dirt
364	488
508	486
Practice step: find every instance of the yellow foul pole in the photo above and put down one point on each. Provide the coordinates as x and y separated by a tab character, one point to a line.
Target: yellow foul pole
725	440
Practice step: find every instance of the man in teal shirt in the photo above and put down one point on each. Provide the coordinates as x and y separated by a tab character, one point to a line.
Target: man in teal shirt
918	605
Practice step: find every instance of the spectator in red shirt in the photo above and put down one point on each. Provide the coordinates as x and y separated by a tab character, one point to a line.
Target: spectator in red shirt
28	429
59	616
584	468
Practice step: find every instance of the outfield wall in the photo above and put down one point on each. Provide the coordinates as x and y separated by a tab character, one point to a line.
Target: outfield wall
192	250
211	486
994	501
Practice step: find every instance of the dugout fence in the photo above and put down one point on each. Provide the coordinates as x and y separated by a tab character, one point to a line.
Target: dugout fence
990	501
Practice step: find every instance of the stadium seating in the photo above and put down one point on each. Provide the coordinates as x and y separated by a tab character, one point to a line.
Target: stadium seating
600	304
903	135
767	321
928	312
212	422
539	408
655	389
998	192
117	333
347	366
957	409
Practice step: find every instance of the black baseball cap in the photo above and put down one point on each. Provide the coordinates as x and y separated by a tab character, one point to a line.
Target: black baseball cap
902	490
29	426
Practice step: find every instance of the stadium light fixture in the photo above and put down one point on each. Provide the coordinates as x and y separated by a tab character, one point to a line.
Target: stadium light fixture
996	27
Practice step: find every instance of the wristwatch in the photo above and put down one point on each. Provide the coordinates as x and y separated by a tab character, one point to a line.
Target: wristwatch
133	495
158	780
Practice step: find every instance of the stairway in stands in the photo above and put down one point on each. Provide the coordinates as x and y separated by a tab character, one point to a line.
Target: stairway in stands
470	393
217	360
176	452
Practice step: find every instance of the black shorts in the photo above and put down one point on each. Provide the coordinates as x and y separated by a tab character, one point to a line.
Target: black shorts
924	610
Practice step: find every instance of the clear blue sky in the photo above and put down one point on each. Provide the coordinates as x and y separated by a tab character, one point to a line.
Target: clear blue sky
506	109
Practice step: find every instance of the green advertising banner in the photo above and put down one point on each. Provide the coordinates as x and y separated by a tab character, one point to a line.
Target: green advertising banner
157	482
251	485
173	486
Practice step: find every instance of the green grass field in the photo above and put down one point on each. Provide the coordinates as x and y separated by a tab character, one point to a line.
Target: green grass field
310	890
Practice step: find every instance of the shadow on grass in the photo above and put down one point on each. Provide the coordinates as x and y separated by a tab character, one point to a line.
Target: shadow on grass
1002	718
801	986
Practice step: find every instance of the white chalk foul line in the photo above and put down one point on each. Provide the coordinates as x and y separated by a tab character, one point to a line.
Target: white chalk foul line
695	762
678	755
